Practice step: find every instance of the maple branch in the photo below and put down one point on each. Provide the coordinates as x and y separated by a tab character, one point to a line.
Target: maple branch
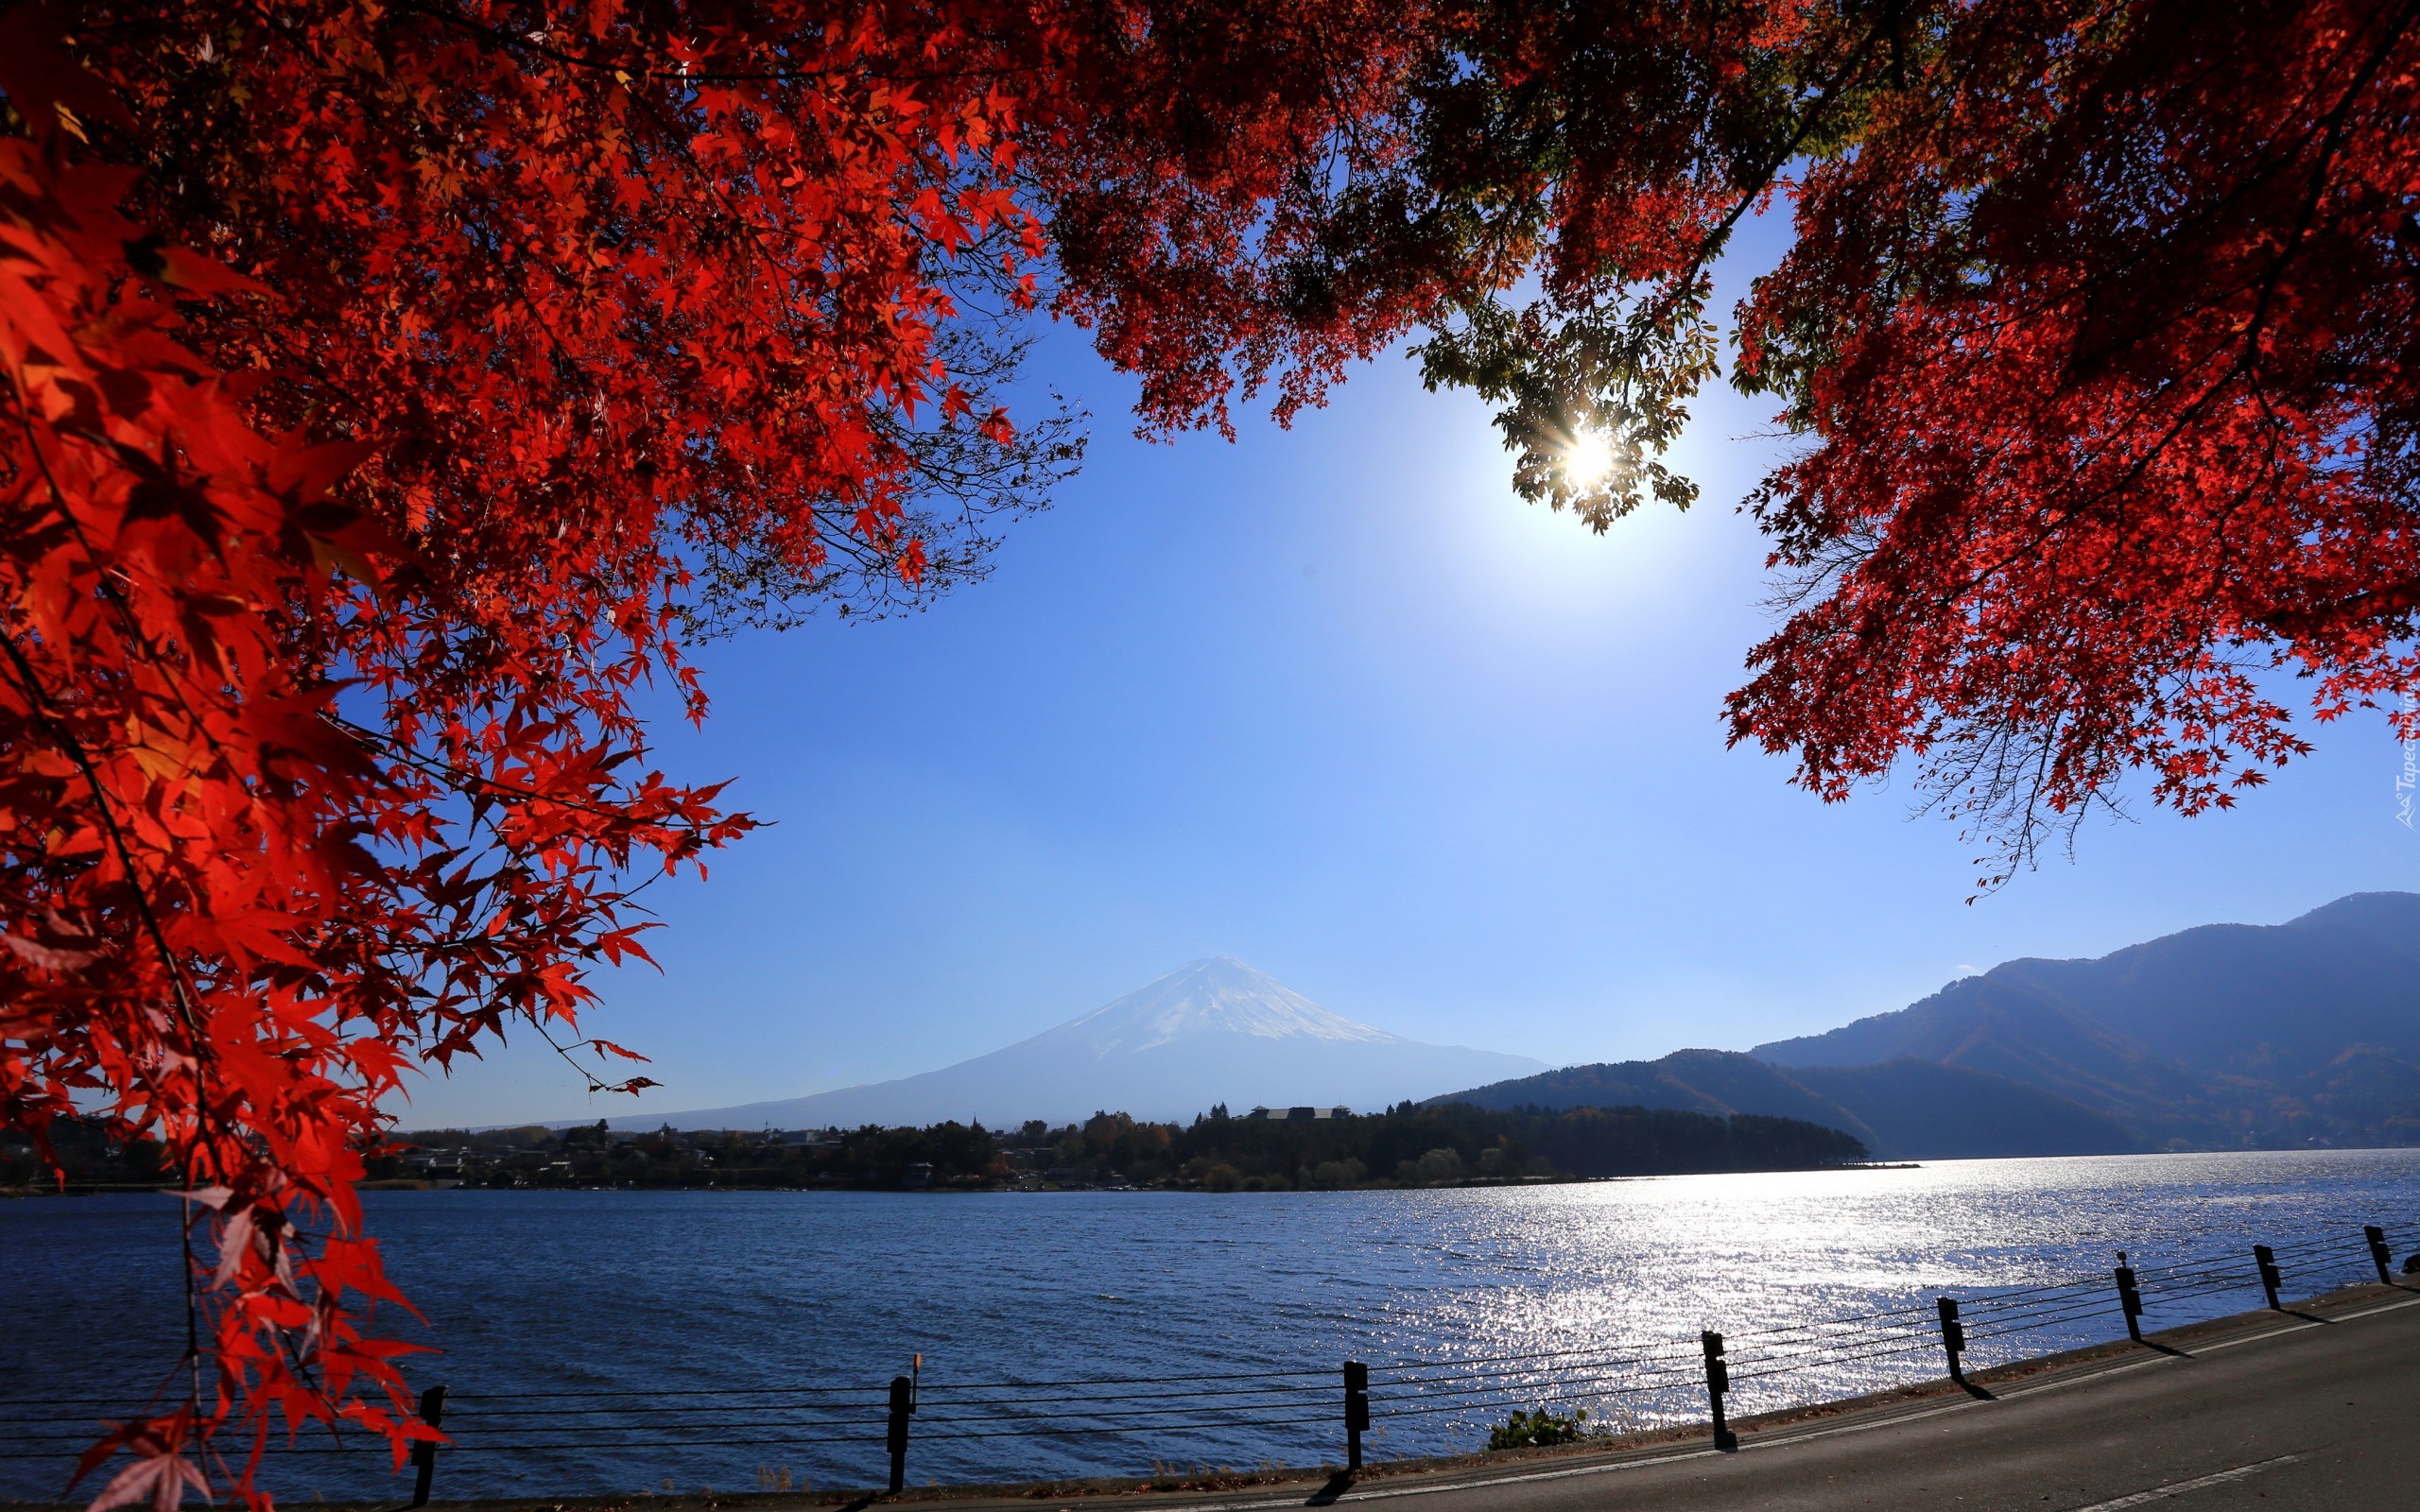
678	141
462	779
1852	69
2248	353
594	1086
2339	120
29	683
2397	598
2205	213
621	69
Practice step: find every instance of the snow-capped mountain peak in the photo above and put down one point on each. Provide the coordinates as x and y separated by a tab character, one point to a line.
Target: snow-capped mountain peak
1219	995
1214	1031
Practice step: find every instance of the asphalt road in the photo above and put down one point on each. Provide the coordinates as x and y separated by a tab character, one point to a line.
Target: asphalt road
2305	1415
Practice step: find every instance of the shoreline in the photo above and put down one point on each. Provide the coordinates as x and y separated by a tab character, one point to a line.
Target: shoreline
1481	1183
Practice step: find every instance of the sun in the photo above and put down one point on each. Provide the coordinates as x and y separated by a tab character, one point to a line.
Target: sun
1588	460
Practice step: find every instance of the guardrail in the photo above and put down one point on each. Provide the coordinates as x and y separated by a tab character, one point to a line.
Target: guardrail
1322	1406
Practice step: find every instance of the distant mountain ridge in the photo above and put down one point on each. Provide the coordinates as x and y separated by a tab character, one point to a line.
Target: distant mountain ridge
1211	1031
2228	1036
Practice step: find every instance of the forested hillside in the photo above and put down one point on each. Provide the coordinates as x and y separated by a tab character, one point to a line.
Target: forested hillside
1405	1146
1907	1109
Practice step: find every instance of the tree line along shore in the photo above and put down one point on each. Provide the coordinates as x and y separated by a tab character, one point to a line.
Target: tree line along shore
1300	1149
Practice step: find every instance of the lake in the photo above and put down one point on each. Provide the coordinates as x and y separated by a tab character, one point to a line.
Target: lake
578	1319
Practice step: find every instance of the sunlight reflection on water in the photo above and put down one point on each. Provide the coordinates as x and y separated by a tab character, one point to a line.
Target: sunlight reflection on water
661	1292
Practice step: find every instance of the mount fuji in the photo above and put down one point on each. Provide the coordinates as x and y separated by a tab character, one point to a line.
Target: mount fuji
1214	1031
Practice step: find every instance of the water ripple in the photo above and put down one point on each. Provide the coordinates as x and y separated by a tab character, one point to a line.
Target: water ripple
657	1292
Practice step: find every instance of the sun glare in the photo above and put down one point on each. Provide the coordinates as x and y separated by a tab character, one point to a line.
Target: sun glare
1587	462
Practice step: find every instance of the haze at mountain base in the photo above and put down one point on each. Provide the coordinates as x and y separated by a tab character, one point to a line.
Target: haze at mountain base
2225	1037
1907	1109
2228	1036
1212	1031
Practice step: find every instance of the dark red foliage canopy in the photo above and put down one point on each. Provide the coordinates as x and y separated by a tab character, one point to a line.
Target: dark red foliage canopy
2098	332
393	388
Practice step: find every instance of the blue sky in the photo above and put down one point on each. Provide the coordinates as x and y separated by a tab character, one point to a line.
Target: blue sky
1335	701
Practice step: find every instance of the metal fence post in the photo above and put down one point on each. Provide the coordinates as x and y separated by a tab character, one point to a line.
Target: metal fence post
2380	1255
1717	1382
432	1412
2130	1299
2271	1279
903	1401
1953	1336
1356	1411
